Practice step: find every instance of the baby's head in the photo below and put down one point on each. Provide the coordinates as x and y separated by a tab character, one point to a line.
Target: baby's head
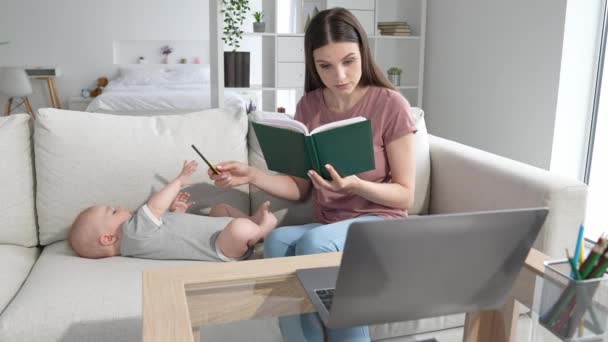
96	232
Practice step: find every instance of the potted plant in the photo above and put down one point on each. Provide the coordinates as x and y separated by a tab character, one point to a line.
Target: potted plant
258	24
394	75
236	63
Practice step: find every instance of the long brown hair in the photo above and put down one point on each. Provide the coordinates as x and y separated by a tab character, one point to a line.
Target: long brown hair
339	25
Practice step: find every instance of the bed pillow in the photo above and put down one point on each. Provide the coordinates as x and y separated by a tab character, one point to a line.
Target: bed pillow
141	75
188	74
84	159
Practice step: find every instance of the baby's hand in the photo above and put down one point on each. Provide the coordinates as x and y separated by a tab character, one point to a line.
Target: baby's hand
185	177
181	204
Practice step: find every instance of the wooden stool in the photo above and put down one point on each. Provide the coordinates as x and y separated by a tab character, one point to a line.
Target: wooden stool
18	102
15	85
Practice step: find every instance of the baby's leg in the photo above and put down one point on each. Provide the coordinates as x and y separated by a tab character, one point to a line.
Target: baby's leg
242	233
238	236
262	217
226	210
265	219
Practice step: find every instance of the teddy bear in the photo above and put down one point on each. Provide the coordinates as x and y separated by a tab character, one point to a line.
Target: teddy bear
101	83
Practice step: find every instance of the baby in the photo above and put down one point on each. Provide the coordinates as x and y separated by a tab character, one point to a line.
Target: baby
161	229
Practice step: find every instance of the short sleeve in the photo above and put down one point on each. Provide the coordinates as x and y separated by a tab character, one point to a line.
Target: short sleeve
398	120
298	115
141	223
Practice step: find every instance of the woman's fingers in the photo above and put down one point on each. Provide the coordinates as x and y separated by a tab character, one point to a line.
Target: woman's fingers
222	180
228	165
333	173
317	180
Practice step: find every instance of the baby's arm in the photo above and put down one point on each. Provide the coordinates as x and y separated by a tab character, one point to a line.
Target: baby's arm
160	202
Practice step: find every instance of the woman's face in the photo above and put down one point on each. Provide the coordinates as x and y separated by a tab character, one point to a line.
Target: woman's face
339	66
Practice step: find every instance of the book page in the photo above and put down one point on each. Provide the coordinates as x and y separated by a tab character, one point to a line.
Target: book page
289	124
336	124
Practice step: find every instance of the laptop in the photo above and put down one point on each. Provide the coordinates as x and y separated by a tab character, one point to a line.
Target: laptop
423	266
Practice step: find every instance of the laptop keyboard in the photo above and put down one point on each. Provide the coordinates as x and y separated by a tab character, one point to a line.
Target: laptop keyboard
326	296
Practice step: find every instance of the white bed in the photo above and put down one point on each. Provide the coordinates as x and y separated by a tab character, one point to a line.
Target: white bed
155	89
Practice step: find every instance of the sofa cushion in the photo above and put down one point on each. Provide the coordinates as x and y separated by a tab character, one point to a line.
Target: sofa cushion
290	213
68	298
88	158
17	261
17	213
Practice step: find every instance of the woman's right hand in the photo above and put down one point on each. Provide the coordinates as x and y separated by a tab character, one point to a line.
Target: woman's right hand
233	174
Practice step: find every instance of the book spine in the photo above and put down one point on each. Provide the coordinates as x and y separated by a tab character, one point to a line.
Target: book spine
311	151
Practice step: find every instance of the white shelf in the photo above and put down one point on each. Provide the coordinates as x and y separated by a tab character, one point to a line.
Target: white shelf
395	37
290	34
252	88
259	34
271	34
277	56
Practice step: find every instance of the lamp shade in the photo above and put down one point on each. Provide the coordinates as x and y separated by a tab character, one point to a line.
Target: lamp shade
14	82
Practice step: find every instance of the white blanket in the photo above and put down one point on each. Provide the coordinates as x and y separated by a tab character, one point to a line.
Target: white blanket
166	97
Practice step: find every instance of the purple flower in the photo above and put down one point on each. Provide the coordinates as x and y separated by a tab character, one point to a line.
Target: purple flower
166	50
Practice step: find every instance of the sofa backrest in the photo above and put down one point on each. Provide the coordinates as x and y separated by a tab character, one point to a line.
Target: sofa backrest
292	213
83	159
17	211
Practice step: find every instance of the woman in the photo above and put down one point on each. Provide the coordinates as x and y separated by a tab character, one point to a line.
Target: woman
342	81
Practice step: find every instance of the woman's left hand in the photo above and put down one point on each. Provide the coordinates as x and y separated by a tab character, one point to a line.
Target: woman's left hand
337	183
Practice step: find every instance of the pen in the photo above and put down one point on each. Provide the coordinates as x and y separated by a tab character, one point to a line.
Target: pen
577	249
211	166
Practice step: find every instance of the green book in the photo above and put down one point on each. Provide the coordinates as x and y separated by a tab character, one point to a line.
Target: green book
289	148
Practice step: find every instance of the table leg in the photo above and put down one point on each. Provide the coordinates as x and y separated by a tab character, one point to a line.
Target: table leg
196	333
9	103
53	92
495	325
28	106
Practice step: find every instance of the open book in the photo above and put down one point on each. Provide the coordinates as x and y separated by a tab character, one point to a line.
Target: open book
289	148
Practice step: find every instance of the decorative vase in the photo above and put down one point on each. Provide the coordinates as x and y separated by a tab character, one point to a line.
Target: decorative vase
259	27
165	59
395	79
236	69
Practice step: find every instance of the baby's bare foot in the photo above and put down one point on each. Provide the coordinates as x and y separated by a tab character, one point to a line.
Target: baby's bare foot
264	218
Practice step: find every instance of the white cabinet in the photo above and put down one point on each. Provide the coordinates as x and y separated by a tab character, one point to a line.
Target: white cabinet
79	103
277	55
290	75
290	49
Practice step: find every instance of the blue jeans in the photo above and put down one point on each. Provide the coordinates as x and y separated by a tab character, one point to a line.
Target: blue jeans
313	238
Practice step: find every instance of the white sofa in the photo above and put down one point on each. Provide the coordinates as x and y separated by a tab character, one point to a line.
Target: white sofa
73	160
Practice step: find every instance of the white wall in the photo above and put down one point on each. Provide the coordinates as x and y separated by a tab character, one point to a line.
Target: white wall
492	73
78	36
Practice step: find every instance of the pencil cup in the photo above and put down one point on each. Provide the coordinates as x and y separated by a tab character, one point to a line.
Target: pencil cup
572	310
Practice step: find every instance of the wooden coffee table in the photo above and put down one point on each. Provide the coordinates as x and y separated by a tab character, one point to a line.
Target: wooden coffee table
178	301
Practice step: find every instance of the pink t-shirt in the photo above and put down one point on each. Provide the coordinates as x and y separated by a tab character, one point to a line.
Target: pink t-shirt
390	116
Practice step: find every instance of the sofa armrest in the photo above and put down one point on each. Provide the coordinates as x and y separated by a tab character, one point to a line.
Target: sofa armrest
467	179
